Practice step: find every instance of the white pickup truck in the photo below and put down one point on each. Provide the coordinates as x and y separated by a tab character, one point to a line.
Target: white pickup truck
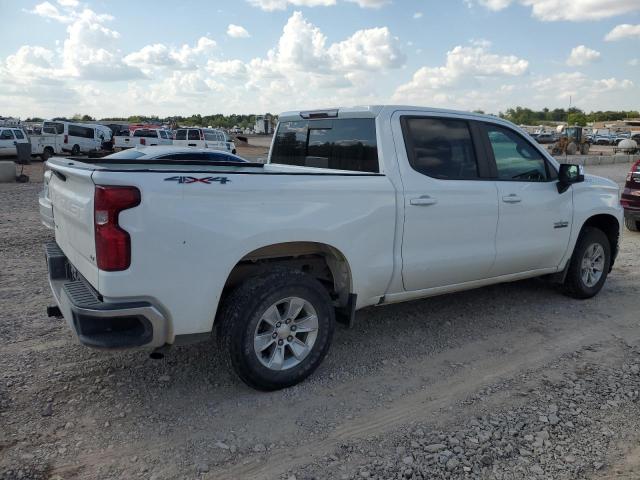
356	207
46	145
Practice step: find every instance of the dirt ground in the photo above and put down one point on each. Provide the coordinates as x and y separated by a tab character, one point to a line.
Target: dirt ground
514	381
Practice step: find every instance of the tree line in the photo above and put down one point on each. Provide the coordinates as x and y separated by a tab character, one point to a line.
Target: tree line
573	116
517	115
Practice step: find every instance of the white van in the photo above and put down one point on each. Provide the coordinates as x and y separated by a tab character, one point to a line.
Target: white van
9	139
80	137
204	138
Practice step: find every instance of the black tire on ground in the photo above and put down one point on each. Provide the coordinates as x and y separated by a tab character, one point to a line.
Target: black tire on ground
243	309
75	150
574	285
46	154
632	224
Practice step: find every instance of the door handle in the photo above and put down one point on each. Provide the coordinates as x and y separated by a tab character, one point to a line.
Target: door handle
423	201
511	198
191	144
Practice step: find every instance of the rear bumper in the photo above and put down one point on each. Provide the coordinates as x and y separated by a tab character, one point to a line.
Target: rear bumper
100	324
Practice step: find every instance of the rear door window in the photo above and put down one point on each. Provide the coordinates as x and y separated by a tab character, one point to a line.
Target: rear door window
337	144
194	134
19	134
440	147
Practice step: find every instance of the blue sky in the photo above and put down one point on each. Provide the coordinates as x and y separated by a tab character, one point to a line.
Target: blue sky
118	58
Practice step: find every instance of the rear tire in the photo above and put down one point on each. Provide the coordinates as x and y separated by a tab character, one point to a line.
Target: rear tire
632	224
75	150
589	264
46	154
264	351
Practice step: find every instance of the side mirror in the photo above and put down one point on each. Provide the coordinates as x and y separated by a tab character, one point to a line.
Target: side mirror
568	175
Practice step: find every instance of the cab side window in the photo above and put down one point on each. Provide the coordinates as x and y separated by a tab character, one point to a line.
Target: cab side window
516	159
440	147
19	134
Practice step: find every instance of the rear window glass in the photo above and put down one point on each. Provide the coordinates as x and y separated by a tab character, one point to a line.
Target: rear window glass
194	134
210	136
181	134
19	134
125	155
143	132
53	127
340	144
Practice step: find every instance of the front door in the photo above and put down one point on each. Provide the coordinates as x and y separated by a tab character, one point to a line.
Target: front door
535	220
451	208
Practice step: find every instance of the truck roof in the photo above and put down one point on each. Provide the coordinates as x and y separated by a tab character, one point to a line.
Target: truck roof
368	111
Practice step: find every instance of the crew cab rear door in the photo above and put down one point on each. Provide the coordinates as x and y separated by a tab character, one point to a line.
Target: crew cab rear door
450	204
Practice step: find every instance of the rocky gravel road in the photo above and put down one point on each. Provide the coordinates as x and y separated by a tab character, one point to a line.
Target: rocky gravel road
513	381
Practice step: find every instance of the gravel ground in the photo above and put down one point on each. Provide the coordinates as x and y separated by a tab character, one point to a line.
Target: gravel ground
508	382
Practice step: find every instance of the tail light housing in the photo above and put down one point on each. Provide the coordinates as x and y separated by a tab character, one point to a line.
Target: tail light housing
635	169
113	243
143	141
66	139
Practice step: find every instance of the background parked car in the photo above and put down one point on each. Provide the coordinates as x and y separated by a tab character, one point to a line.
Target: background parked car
9	139
204	138
171	152
630	199
545	138
80	137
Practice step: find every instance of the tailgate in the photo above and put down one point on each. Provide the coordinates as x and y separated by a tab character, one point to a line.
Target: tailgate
71	192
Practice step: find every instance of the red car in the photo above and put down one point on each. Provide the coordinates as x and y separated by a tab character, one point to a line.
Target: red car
630	199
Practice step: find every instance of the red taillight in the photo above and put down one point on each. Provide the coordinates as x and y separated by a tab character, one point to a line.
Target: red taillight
143	141
66	139
113	244
635	168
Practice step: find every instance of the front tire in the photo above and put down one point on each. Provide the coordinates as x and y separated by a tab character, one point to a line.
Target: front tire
276	328
589	265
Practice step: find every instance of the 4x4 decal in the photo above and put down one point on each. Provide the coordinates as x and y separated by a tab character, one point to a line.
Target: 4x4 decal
207	180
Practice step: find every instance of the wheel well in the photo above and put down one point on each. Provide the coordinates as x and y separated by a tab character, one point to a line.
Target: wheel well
611	228
325	263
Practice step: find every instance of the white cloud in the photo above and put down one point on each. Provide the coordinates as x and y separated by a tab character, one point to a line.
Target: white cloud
30	63
417	15
236	31
572	11
49	11
582	55
623	31
271	5
371	3
160	55
579	87
634	62
69	3
370	49
89	53
235	69
464	68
